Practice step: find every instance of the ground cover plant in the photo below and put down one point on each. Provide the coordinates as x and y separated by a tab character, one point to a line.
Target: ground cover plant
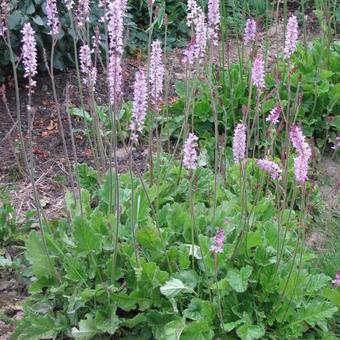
204	233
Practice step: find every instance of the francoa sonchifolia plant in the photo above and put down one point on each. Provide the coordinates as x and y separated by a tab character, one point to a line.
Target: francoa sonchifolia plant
179	251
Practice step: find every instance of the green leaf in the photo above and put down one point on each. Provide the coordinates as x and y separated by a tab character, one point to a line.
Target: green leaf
173	330
86	329
15	19
325	74
228	327
316	282
30	8
135	321
174	287
81	113
238	279
332	295
250	332
37	19
42	265
106	320
39	327
254	239
323	87
336	122
148	237
199	310
74	269
198	330
87	177
316	311
86	239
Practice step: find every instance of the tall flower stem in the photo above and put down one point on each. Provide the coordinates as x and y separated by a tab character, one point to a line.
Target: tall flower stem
298	243
220	313
150	9
30	167
81	94
60	121
17	98
74	150
243	204
192	212
215	113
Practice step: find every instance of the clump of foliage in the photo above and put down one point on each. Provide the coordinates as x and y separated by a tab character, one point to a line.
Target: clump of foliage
313	83
157	287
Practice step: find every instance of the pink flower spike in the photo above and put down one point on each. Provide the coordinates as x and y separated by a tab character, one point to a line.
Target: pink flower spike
301	169
296	136
201	35
272	168
52	17
214	18
250	31
257	74
192	11
139	105
291	37
4	8
239	143
190	152
83	12
86	67
217	247
115	79
115	19
274	115
157	71
303	151
29	52
298	140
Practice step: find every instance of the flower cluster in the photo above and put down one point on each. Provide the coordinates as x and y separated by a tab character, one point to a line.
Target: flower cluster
303	151
214	18
86	66
257	73
239	143
139	105
250	31
291	37
274	115
201	34
190	152
157	71
192	11
3	17
115	19
52	17
115	78
29	52
217	247
336	281
297	138
272	168
83	12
